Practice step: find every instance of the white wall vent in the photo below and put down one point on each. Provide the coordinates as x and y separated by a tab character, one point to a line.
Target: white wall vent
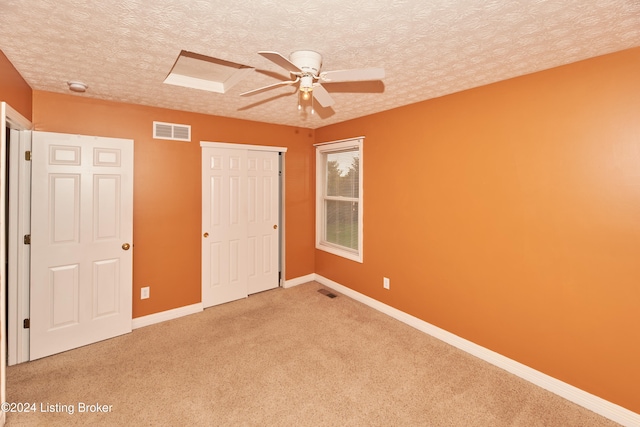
171	131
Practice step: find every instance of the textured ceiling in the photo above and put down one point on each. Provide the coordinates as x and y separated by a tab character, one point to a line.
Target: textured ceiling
124	49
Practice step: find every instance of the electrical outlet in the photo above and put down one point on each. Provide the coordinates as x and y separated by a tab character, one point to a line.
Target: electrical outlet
144	292
385	282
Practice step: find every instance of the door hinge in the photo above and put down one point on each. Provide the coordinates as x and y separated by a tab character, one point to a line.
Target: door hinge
27	155
26	323
27	239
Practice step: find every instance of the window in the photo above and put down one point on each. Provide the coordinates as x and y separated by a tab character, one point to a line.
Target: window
339	198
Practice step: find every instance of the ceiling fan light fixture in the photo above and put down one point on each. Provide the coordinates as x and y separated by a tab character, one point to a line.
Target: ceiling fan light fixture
304	94
306	83
306	86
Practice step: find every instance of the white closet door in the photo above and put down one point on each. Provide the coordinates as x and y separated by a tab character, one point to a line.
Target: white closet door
224	225
240	228
81	241
263	220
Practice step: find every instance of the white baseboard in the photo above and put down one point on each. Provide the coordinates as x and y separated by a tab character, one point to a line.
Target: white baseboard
299	280
151	319
580	397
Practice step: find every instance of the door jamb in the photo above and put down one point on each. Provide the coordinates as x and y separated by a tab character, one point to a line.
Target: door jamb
18	262
19	252
9	119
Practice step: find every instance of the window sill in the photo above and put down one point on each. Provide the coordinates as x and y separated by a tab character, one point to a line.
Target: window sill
353	256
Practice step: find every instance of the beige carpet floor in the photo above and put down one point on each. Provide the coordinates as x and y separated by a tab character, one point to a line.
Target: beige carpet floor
287	357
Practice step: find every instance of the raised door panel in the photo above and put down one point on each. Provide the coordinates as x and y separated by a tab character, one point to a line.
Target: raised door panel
106	288
63	296
64	208
106	211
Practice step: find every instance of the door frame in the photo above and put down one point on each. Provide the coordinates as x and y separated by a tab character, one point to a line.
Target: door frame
18	261
281	197
9	119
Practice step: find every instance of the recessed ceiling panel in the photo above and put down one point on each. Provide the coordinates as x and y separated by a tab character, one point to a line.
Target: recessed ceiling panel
202	72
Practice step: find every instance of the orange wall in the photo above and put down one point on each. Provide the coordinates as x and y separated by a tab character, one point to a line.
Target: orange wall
14	90
167	188
510	216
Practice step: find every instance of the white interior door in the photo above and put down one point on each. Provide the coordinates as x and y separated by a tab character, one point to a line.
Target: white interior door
263	220
81	241
224	225
240	221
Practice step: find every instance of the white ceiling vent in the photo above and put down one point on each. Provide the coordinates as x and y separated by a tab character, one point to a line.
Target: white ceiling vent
171	131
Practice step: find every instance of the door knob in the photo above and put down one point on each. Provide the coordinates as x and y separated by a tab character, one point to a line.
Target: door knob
126	246
275	227
206	235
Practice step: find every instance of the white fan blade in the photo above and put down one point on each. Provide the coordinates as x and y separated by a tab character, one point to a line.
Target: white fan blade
280	60
271	86
322	96
356	75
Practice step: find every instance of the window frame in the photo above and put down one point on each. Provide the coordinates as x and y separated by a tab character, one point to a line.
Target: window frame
322	150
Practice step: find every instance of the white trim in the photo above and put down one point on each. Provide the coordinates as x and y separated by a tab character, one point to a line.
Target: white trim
175	313
14	120
580	397
299	280
3	254
19	221
321	151
19	254
237	146
282	220
340	140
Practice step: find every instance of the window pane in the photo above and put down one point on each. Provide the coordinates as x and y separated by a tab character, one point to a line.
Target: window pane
342	223
343	170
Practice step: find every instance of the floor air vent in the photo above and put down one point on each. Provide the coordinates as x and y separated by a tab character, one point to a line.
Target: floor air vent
327	293
171	131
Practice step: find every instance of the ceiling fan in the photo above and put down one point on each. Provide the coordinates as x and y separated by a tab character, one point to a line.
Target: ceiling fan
304	67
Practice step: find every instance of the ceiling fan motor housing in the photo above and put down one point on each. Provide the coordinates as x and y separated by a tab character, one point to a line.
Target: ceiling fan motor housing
307	60
304	67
